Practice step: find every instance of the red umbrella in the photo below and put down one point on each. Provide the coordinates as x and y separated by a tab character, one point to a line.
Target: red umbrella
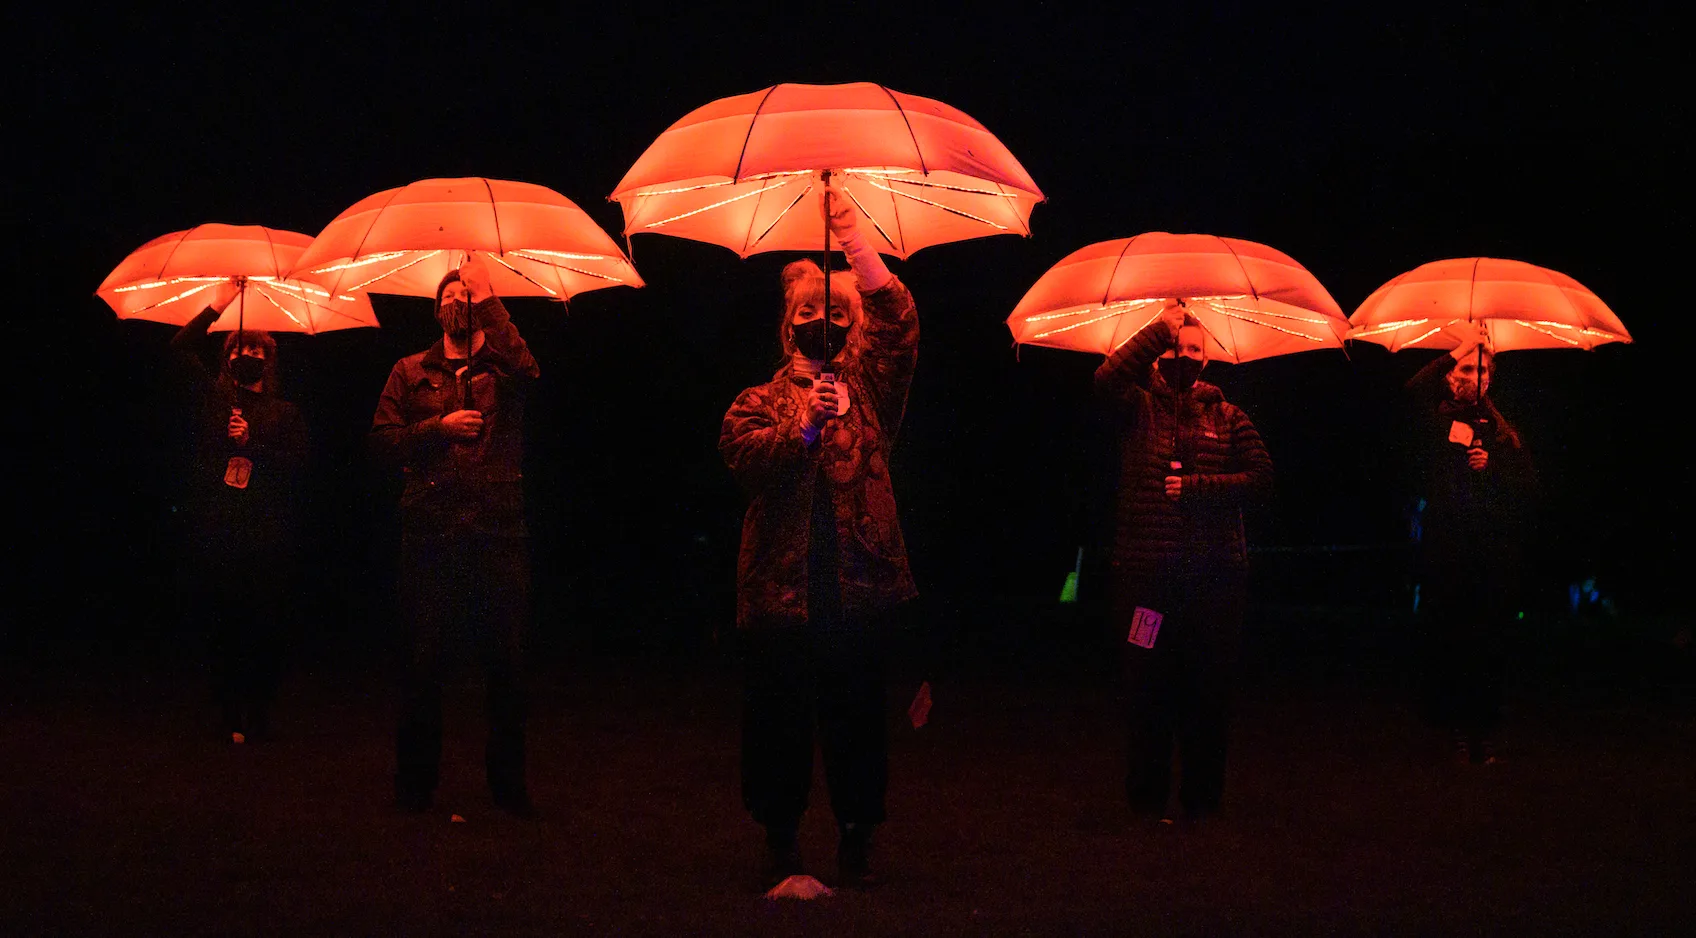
538	242
1252	301
173	277
1519	305
744	172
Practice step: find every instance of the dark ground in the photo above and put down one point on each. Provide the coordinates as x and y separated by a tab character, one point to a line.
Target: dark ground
123	814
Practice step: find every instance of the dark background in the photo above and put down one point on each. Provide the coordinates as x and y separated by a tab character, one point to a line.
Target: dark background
1362	142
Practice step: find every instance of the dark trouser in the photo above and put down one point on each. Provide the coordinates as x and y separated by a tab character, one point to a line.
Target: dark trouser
797	674
242	610
1180	690
475	591
1464	620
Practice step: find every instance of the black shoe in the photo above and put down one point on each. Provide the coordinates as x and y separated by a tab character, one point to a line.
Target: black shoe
1462	748
853	858
516	803
413	802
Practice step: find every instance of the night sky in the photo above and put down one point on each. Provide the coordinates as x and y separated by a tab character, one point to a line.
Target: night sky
1362	143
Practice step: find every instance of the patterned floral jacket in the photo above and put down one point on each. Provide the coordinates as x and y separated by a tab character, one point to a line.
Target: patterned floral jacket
761	442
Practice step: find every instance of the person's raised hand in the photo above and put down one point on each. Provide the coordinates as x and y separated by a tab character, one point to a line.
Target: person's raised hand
474	273
464	424
1173	317
840	215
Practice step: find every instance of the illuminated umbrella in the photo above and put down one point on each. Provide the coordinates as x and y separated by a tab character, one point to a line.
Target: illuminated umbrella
173	277
1519	306
404	240
1252	301
745	172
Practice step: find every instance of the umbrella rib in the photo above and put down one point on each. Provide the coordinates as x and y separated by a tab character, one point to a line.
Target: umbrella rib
1252	291
949	209
737	177
941	185
292	287
1553	335
1232	352
910	135
276	266
1228	314
894	209
183	295
1107	291
705	208
292	318
362	262
1080	325
568	255
499	260
179	243
412	263
495	212
1389	327
1121	305
367	236
1428	334
794	202
587	273
1121	343
1267	312
869	216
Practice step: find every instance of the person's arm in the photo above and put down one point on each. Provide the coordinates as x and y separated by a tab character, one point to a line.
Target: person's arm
394	442
1248	475
185	344
1127	373
759	446
501	341
891	324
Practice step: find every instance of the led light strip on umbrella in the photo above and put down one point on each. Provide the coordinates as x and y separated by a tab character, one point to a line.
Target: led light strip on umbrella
246	259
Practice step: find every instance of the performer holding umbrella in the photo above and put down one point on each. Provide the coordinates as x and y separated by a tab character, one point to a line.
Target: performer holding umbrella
823	560
250	444
1472	468
452	419
1160	306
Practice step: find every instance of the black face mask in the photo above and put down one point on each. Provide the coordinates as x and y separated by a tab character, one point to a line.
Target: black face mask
452	317
1180	372
247	370
810	338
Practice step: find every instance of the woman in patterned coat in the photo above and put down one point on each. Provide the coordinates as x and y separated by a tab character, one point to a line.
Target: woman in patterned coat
822	560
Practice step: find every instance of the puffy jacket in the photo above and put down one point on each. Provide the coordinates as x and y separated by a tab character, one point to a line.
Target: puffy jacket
1225	466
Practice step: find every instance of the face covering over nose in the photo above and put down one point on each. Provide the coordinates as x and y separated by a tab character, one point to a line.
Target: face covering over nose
1180	372
247	370
811	337
453	316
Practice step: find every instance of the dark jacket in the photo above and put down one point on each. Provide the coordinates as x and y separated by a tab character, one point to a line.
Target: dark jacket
1474	520
262	518
761	442
458	487
1225	466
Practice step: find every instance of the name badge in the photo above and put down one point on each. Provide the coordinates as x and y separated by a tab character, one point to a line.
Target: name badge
239	470
1145	627
1460	433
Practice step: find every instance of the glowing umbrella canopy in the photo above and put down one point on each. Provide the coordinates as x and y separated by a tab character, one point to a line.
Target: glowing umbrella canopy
1252	301
173	277
744	172
404	240
1520	306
